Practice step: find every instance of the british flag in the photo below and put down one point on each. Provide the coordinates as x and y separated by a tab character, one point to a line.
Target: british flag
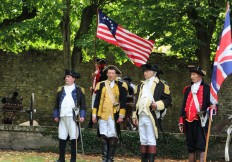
222	66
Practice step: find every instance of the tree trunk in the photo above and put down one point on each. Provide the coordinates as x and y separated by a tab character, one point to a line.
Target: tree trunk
204	32
204	60
86	20
66	34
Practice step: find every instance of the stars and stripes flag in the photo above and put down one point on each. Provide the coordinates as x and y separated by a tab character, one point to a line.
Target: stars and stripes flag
222	66
136	48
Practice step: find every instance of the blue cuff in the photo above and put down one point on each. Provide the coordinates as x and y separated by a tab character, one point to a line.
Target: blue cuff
56	113
82	113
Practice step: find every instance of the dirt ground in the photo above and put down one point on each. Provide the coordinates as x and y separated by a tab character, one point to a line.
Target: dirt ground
28	156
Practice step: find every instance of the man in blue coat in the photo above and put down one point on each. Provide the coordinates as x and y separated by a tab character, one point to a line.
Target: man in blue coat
69	97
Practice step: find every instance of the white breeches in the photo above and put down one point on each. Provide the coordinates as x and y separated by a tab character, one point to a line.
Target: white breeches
107	127
67	126
146	131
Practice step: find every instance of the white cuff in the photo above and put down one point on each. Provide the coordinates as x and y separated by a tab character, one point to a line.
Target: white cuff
121	116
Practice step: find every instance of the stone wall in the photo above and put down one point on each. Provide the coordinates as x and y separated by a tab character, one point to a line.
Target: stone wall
13	137
41	72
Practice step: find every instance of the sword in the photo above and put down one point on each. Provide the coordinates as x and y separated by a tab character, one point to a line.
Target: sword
76	110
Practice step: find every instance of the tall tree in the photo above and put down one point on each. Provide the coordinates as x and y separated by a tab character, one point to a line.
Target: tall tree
191	28
66	34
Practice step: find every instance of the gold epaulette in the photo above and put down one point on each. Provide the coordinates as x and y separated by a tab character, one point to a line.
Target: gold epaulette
125	85
82	90
59	89
166	87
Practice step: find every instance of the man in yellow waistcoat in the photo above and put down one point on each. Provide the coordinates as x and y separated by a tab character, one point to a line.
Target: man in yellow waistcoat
152	96
109	111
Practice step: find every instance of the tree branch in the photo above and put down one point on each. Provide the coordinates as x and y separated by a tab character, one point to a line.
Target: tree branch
26	14
86	20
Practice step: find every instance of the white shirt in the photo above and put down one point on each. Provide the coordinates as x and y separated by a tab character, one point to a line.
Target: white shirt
195	87
146	91
147	95
68	103
112	83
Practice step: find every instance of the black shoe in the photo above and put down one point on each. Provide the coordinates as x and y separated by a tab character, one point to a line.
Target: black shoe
59	160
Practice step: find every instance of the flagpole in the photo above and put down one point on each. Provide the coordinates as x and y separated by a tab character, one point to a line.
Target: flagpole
208	135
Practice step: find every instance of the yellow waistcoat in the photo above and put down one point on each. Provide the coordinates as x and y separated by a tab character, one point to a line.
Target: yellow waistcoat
106	108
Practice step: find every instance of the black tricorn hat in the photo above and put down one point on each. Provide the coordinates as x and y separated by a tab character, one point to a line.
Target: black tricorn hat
112	67
127	78
101	60
151	67
72	73
196	69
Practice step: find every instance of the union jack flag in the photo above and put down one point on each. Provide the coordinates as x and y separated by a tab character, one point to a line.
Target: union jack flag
222	66
136	48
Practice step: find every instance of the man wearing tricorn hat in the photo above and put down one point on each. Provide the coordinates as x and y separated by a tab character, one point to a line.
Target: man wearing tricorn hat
196	100
152	96
109	109
69	97
97	76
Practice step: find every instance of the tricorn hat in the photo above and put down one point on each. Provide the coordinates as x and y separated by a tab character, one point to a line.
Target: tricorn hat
151	67
112	67
72	73
101	60
196	69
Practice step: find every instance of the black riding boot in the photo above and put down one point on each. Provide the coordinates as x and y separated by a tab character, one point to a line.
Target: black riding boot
113	142
105	143
73	151
62	146
151	153
144	154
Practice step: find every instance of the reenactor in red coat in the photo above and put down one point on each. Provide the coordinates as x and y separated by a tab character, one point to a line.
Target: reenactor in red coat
196	100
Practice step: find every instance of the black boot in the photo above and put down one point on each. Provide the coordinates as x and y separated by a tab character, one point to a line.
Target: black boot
105	145
151	153
62	146
113	142
73	151
144	154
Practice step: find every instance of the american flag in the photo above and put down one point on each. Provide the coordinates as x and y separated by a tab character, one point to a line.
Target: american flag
136	48
222	66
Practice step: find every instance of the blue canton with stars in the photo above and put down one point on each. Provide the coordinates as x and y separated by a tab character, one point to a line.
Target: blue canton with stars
108	22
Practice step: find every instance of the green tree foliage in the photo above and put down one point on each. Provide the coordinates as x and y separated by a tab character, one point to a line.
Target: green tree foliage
41	30
192	28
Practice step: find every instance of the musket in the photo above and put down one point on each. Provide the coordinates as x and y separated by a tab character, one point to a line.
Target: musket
76	110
